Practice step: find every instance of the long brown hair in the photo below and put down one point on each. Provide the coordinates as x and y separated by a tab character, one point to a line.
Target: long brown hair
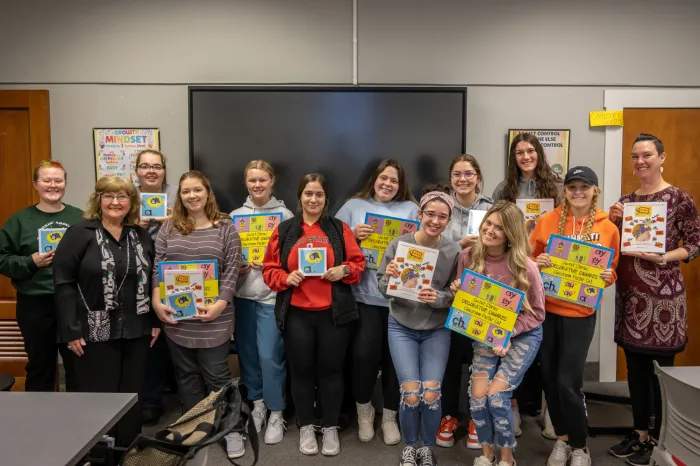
403	194
517	251
180	219
586	235
470	159
545	178
310	178
113	184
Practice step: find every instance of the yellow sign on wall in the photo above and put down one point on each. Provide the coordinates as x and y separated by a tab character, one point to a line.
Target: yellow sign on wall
607	118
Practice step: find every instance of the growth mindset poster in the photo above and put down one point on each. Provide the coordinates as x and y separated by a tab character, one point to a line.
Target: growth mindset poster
116	149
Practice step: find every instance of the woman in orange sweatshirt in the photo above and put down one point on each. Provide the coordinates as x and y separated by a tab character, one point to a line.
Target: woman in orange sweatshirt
568	328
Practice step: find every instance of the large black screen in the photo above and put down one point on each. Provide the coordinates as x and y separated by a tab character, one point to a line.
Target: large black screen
342	133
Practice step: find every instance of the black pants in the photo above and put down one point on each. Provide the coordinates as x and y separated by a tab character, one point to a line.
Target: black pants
115	366
563	357
199	371
36	317
316	350
461	351
644	389
370	351
157	369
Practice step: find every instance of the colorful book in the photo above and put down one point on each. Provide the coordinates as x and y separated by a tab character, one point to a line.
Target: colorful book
183	304
49	238
533	209
416	268
312	261
179	281
575	272
210	269
474	222
154	205
485	310
255	231
384	230
644	227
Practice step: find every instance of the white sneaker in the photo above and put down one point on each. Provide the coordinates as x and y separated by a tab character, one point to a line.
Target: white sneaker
560	454
580	457
307	440
259	414
390	428
275	428
484	461
408	456
365	421
548	431
516	422
235	445
331	442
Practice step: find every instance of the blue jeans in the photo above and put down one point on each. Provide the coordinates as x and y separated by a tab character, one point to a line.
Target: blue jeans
420	357
492	412
261	352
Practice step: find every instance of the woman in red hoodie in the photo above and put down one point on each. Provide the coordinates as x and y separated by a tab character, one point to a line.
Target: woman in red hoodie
568	327
315	313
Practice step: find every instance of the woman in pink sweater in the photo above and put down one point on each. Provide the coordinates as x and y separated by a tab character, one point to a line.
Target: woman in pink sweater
502	253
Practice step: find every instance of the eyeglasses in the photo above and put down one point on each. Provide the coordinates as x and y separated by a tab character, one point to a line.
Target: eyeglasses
469	174
156	168
442	218
122	198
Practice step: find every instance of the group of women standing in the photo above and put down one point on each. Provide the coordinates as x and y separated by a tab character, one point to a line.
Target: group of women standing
104	276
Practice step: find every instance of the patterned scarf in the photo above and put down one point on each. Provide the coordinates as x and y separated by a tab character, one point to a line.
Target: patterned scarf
99	321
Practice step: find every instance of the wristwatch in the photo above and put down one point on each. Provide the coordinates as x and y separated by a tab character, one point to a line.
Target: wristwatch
346	271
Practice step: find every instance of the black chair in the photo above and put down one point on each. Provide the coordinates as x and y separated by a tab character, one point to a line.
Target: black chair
6	382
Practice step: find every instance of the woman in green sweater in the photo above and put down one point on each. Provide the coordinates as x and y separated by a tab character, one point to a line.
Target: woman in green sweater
31	273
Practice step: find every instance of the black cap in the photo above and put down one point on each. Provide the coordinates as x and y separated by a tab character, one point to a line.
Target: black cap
584	174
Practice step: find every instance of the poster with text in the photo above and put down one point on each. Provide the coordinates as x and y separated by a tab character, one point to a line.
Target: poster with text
210	269
575	272
416	268
116	149
484	310
555	143
384	229
533	209
644	227
255	231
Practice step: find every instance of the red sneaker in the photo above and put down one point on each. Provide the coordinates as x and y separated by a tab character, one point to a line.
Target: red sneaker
472	438
446	434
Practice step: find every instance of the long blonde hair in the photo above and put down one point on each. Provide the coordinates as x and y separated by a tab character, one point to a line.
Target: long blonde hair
113	184
517	249
180	220
586	235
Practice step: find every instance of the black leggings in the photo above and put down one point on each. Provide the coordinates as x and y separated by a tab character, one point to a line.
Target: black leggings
644	388
316	350
370	351
461	351
563	358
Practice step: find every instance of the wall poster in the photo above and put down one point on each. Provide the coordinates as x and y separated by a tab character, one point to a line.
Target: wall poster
116	149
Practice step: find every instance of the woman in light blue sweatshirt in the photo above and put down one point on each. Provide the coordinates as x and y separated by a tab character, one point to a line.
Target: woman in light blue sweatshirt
418	339
258	340
386	193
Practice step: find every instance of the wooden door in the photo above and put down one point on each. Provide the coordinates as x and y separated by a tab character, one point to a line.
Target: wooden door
678	129
25	140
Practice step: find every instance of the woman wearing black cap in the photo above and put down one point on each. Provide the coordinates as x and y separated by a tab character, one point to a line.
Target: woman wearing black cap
568	327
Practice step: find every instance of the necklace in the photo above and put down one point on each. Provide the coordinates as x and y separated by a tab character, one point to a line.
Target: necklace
495	257
126	272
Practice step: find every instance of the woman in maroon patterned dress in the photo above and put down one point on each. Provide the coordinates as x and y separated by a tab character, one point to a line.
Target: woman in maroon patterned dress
650	305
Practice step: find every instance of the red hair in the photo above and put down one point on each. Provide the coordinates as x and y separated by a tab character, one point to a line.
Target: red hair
49	164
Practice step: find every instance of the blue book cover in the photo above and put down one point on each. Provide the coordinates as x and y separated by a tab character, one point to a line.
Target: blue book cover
49	238
312	261
154	205
183	304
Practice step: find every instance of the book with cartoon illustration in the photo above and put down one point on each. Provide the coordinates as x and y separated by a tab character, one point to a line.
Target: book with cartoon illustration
416	267
183	304
533	209
154	205
474	222
49	238
255	231
178	281
644	227
384	230
312	261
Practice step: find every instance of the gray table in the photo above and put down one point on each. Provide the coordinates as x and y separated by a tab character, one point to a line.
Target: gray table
56	428
689	375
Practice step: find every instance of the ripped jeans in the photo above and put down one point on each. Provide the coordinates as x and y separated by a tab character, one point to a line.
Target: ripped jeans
420	357
491	411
